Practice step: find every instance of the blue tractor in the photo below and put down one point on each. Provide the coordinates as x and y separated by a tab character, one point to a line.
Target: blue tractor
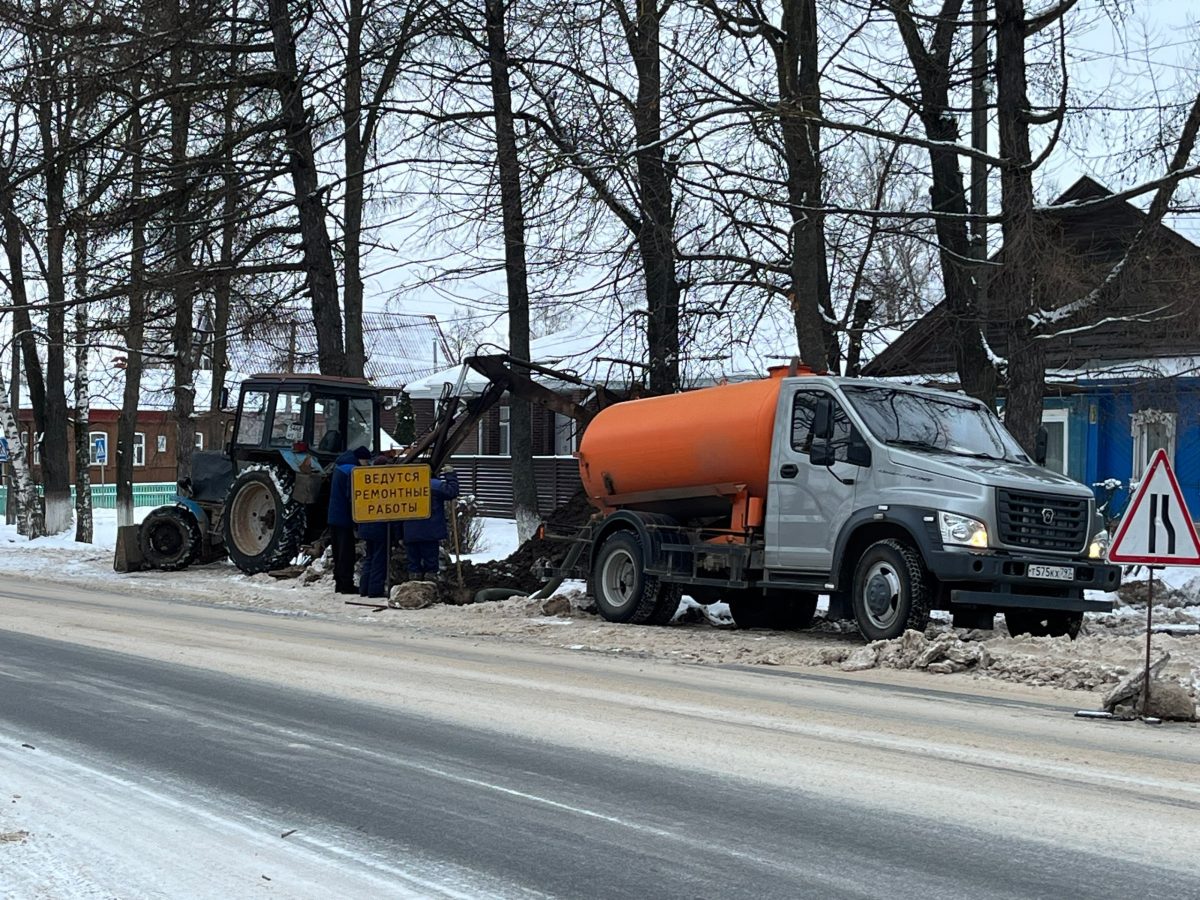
265	495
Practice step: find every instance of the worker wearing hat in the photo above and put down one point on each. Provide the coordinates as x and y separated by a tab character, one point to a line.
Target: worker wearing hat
341	520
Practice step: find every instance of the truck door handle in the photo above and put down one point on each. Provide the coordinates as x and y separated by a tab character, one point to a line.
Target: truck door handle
789	470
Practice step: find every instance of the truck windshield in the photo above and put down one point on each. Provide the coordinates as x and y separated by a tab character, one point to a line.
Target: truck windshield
934	424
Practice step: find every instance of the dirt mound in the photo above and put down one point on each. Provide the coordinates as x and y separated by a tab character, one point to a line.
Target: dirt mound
519	570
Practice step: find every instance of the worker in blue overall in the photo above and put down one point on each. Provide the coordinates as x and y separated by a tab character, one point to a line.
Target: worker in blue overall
377	535
340	518
423	537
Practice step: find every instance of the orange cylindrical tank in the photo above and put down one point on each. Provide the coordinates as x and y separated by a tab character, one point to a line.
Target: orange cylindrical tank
681	445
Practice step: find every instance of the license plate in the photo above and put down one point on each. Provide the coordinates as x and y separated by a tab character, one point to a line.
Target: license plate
1052	573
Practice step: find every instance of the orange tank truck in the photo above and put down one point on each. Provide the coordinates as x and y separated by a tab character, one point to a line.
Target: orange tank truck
703	453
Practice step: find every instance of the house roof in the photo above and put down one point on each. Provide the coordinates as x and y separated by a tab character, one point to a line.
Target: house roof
1154	316
399	347
611	355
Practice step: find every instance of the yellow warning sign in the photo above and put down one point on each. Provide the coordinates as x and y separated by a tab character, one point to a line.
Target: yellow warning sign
389	493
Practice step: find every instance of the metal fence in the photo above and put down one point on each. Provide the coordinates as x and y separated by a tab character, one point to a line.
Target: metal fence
489	478
104	496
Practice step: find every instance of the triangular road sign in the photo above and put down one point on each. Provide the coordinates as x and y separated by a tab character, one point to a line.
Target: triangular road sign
1157	528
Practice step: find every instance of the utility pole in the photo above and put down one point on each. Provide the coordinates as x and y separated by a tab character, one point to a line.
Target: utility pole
979	141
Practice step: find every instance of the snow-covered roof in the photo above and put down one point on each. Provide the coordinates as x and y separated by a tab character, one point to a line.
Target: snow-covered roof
399	347
612	355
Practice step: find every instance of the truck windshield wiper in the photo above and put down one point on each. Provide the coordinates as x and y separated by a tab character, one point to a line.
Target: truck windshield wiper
917	445
933	448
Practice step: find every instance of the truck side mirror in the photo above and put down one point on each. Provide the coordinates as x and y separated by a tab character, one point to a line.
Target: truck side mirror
858	453
223	402
822	427
821	454
1039	446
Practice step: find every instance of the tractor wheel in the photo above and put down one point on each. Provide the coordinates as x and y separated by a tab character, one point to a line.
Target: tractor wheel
262	525
169	538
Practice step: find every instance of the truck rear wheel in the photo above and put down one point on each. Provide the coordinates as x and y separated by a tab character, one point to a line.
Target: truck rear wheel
169	538
891	591
262	525
623	590
1043	622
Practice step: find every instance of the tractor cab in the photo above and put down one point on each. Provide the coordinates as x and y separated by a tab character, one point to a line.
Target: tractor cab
291	416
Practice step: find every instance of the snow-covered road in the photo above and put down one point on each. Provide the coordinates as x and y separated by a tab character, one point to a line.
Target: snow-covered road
175	743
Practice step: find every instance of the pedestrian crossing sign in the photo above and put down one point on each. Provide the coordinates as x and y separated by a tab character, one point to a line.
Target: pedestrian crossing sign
1157	529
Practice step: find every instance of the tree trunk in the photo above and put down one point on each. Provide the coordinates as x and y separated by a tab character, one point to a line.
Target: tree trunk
355	160
183	278
135	327
948	196
22	321
1021	258
320	274
223	284
656	233
29	510
55	456
517	276
800	100
83	481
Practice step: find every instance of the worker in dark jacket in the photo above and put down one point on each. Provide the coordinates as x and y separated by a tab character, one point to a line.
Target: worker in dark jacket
377	535
341	522
422	537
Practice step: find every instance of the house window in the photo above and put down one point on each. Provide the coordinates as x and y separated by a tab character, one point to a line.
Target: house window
1153	430
1055	421
199	441
139	449
98	448
505	432
564	435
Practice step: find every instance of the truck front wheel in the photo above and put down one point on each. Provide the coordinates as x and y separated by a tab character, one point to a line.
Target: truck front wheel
1043	622
623	590
891	591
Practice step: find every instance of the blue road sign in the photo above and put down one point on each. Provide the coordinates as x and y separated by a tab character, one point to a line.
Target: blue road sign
100	445
3	450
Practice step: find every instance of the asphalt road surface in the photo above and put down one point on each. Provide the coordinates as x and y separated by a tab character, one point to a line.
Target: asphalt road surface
162	748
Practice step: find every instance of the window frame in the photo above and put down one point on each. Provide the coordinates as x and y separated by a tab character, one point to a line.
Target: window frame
504	432
1064	416
1139	431
841	444
139	440
199	440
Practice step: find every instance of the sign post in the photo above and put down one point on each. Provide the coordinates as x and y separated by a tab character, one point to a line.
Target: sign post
100	444
390	493
1156	531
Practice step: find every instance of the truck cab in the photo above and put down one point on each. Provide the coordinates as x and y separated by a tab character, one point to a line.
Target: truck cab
869	479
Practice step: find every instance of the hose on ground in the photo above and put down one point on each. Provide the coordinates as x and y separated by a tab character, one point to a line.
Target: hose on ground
546	590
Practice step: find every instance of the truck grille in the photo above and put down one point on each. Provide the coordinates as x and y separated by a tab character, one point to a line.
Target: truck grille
1023	521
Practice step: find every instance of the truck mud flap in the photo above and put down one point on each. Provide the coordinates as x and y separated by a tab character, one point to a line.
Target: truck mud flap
1028	601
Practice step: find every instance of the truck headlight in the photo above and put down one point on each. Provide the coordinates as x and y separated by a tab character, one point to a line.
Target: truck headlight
961	530
1098	548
